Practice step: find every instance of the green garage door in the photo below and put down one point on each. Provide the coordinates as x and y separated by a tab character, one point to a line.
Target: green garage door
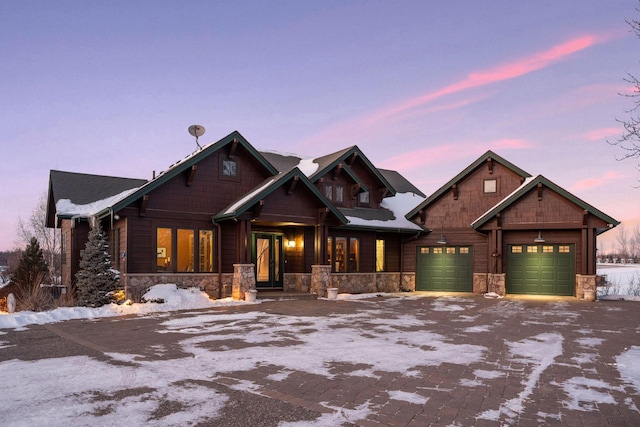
444	268
541	269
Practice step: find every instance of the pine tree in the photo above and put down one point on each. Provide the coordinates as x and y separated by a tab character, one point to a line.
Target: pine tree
96	280
32	268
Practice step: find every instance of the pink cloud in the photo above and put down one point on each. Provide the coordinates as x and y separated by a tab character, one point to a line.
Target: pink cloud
528	64
600	134
597	181
445	153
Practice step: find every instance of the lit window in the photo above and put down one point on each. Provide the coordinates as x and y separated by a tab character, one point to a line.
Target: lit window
163	249
354	255
380	255
437	250
340	262
516	249
464	250
205	254
532	249
547	249
490	185
564	249
424	250
329	249
185	250
451	250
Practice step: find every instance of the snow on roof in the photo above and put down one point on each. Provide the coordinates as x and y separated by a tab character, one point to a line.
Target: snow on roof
524	183
64	207
308	167
399	205
231	209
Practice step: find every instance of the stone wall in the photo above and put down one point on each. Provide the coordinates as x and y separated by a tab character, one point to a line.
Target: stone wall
480	284
297	282
244	279
136	285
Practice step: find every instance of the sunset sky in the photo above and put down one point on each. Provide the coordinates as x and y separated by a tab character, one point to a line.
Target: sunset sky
422	87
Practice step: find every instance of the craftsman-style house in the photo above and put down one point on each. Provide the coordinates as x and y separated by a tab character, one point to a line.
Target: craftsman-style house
229	218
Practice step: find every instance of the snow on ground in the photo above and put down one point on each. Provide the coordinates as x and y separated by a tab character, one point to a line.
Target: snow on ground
624	281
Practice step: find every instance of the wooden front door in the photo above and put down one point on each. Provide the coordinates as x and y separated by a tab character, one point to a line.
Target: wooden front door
267	257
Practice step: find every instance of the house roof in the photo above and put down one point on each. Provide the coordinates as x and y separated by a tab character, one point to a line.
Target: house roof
462	175
267	187
529	185
82	189
330	161
400	183
179	167
390	216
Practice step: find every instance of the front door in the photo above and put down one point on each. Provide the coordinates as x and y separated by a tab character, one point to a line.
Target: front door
267	257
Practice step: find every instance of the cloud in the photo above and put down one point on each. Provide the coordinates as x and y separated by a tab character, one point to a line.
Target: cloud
588	183
361	126
600	134
445	153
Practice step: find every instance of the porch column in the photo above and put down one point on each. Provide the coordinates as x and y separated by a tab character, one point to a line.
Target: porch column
320	279
244	279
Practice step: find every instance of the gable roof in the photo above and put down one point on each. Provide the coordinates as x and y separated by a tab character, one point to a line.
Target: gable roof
330	161
400	183
83	189
530	184
182	165
267	187
489	155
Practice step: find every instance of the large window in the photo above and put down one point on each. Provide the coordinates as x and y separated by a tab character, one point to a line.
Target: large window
344	254
178	252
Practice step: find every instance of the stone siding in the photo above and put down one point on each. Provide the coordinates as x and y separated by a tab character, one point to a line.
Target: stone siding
497	283
586	287
244	279
297	282
480	284
136	285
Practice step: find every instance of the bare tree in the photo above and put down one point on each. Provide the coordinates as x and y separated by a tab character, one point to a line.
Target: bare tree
629	141
48	238
623	240
634	241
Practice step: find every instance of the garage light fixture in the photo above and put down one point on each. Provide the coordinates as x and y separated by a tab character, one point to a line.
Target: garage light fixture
539	239
442	240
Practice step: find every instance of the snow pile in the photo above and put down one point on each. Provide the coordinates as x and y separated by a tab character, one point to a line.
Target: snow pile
174	299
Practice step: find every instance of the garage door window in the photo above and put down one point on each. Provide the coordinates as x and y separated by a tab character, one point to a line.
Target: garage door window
437	250
532	249
451	250
516	249
564	249
547	249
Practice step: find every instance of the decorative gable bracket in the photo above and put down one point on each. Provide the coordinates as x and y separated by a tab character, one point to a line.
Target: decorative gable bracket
337	171
322	215
192	175
454	190
355	189
233	148
539	191
382	192
257	209
143	205
490	165
293	183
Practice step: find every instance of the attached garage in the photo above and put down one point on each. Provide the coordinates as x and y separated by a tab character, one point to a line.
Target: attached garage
444	268
541	269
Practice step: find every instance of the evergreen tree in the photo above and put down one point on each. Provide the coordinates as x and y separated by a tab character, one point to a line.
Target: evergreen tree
96	280
32	268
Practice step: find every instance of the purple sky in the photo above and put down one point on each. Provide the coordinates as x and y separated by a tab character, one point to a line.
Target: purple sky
422	87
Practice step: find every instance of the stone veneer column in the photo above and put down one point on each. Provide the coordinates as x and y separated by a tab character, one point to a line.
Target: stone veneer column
586	287
244	279
497	283
479	283
320	279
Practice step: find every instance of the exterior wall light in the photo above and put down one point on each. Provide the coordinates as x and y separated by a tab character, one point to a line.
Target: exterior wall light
442	240
539	239
291	243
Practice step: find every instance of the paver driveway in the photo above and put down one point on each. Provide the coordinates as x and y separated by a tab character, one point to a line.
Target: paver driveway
398	360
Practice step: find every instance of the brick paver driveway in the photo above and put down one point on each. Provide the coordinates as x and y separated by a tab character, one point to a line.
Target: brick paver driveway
397	360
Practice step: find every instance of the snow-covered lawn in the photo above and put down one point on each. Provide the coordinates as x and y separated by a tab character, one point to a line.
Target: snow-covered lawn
624	281
390	337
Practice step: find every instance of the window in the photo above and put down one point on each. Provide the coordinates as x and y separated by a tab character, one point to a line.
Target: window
339	194
547	249
163	247
229	168
437	250
205	263
344	254
424	250
328	191
451	250
532	249
380	255
564	249
464	250
177	251
490	185
516	249
363	198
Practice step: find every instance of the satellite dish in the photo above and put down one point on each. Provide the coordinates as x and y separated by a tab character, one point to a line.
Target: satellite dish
197	130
